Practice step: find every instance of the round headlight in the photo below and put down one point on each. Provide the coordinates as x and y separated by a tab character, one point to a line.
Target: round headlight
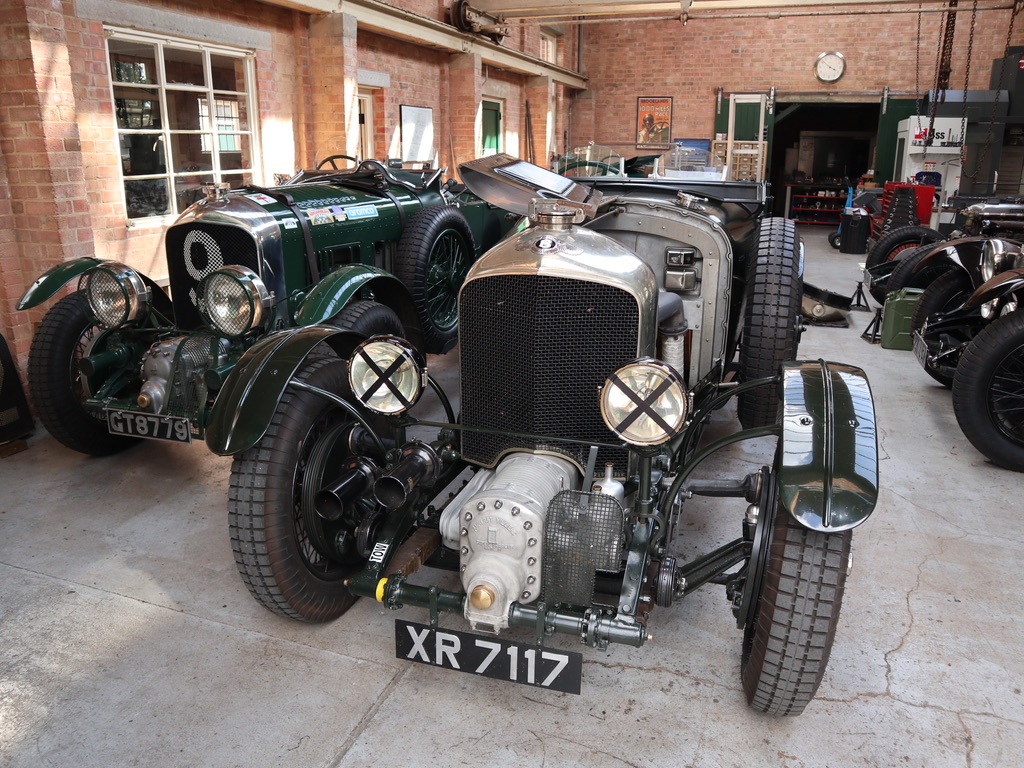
996	256
386	374
116	293
234	300
644	402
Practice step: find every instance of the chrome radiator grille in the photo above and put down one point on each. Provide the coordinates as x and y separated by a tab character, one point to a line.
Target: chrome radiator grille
535	350
194	251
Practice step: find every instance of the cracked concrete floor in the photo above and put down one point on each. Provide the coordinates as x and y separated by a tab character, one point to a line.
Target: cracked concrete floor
129	640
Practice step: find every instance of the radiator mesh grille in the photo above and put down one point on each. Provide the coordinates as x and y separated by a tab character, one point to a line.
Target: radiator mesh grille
187	396
535	350
582	535
193	252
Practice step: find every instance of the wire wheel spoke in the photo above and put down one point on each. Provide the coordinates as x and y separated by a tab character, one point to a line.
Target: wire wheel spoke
1006	394
446	272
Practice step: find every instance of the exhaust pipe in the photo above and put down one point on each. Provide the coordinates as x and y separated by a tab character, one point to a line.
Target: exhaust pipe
330	501
419	464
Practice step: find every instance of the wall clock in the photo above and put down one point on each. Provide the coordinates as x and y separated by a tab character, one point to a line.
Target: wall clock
829	66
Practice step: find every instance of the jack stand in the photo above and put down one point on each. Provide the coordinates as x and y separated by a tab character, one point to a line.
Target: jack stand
860	301
873	333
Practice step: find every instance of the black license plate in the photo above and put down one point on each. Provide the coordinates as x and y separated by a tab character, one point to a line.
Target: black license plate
490	657
920	347
173	428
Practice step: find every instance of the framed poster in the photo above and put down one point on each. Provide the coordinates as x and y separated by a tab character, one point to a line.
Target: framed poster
417	133
653	122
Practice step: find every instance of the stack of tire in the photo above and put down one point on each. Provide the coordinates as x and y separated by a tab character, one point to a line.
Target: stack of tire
907	245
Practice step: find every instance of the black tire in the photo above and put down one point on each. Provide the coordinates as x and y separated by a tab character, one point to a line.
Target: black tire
892	245
434	255
368	318
988	392
949	291
56	384
276	535
786	646
835	239
771	318
905	276
889	245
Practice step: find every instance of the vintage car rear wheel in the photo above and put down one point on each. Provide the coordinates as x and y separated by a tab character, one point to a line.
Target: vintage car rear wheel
434	255
58	388
949	291
292	560
988	391
771	318
786	645
890	245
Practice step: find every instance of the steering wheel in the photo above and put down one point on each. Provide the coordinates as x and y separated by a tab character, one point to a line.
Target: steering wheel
331	158
604	169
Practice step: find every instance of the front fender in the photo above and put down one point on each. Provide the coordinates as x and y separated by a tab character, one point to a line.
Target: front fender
328	297
1010	281
828	473
964	253
55	278
247	401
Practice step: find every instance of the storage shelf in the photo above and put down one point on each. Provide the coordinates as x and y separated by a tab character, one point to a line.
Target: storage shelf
832	201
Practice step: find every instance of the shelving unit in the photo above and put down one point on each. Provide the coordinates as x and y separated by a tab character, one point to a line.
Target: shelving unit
815	203
745	159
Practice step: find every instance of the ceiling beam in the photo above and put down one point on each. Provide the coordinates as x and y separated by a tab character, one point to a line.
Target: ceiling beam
389	21
517	9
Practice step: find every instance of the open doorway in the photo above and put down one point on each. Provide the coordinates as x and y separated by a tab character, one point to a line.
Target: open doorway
822	143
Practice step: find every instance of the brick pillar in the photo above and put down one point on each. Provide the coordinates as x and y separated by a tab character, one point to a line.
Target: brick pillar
334	59
44	208
583	120
540	95
466	88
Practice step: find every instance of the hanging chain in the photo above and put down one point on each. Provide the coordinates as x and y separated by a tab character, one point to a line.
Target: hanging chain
995	104
942	57
967	72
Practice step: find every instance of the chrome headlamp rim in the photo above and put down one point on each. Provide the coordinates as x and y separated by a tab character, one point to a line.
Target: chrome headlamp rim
387	374
663	409
134	293
997	256
255	291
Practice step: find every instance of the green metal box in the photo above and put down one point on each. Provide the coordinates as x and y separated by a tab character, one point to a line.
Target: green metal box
899	309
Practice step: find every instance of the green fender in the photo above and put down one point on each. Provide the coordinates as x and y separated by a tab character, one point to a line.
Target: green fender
828	451
250	395
52	280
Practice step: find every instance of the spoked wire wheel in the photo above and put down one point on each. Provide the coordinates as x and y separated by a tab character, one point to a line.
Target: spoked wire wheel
449	263
433	257
988	391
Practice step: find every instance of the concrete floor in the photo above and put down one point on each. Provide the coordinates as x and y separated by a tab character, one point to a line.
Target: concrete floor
128	638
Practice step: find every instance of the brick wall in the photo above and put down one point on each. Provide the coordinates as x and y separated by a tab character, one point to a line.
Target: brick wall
60	191
746	55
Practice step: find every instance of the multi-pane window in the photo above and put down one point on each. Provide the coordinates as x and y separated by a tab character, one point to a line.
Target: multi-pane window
184	119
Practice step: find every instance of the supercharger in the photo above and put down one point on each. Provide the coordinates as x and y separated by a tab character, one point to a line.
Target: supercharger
497	524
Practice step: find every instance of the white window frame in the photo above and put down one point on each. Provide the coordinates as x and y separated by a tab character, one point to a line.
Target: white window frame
213	126
549	47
